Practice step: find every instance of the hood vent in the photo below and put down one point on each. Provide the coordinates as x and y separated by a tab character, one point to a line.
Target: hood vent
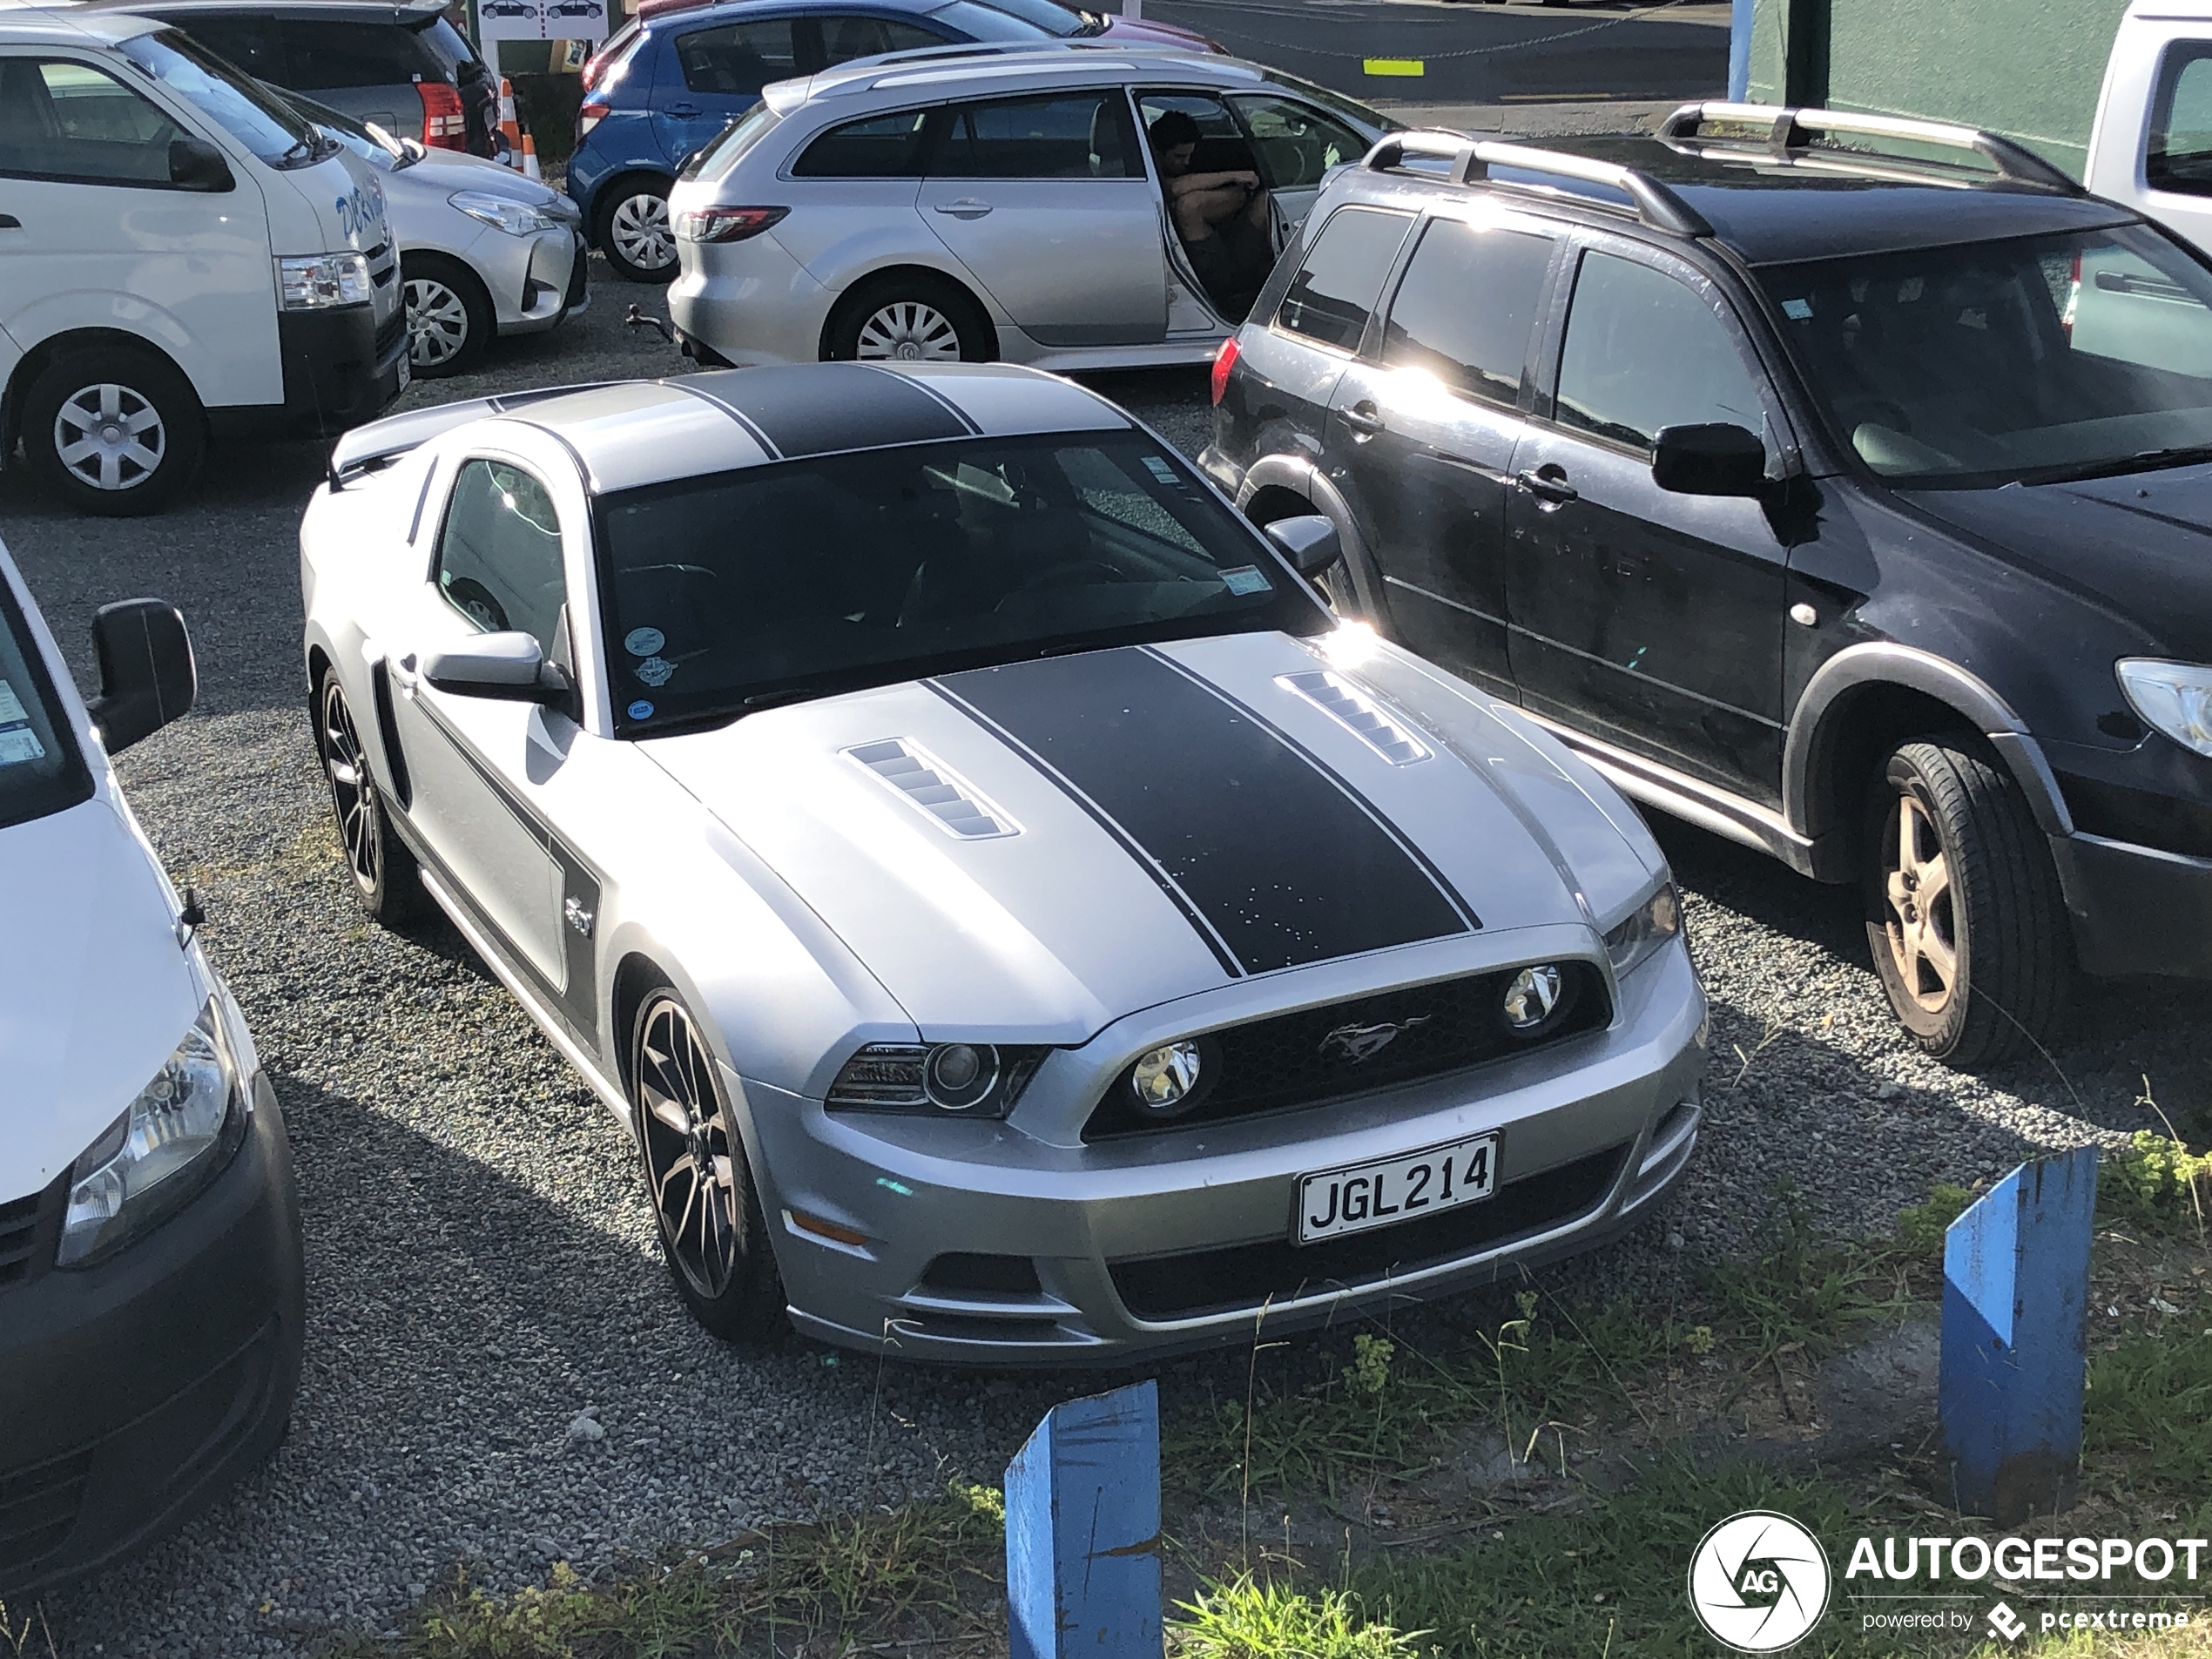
951	803
1359	713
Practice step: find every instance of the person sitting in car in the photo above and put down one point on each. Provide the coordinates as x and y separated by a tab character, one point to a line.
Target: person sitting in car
1223	219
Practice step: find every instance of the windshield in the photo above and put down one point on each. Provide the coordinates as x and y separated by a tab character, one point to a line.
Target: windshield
1350	108
990	23
264	122
365	138
779	583
40	771
1053	19
2004	362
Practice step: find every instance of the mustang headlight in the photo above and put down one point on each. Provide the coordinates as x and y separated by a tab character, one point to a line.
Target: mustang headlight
1647	927
2176	698
169	1143
502	213
965	1079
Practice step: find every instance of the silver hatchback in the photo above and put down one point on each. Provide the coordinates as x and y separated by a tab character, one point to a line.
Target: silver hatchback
1066	206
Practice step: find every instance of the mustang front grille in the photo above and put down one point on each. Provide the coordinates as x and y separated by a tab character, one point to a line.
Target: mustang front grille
1354	1047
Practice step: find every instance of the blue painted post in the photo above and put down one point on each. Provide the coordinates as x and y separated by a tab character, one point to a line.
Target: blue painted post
2015	1293
1739	49
1083	1531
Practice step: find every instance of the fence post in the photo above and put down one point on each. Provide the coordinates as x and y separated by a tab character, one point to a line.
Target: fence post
2015	1294
1083	1531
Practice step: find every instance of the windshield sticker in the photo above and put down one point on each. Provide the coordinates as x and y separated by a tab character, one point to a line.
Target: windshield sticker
641	709
1161	470
11	709
1246	578
19	743
654	671
643	642
1798	310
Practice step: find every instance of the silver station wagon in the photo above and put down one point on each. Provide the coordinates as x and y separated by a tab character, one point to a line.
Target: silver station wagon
1069	207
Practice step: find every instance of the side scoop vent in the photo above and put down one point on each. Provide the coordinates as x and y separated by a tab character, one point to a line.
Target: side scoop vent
1355	710
951	803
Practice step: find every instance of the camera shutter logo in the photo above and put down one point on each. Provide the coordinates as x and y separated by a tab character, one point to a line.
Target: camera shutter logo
1758	1582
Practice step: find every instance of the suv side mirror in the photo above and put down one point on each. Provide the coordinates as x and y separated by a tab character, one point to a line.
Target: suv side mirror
194	164
1717	460
507	667
1308	542
147	677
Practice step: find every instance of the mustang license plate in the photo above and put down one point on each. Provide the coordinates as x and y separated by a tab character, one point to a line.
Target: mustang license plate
1392	1190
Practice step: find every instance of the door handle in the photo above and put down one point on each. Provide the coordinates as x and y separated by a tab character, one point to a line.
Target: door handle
403	675
1548	485
966	207
9	222
1364	418
682	111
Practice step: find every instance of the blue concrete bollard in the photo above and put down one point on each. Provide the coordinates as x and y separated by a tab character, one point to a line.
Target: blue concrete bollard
1083	1531
2015	1294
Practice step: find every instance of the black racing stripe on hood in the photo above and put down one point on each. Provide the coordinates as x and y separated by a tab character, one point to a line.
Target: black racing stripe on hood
1282	862
825	409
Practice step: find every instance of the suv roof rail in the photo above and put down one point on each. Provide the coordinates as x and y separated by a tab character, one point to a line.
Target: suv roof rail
1787	130
1470	161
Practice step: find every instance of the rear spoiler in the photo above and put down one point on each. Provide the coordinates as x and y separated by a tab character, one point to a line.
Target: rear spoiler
368	449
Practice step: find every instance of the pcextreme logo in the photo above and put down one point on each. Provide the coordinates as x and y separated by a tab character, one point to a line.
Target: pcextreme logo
1758	1582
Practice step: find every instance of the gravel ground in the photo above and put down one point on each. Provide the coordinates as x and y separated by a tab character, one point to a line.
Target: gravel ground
499	1375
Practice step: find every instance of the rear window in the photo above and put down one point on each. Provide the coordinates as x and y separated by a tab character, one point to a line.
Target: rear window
451	48
40	769
721	152
883	146
323	56
1336	288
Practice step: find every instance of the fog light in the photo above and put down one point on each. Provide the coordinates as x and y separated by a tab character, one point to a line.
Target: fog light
1162	1079
960	1075
1532	995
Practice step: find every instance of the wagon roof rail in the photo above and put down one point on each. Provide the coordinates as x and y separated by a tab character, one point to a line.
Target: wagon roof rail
1784	132
1472	160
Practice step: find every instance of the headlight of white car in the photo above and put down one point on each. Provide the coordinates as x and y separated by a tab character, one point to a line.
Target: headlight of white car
313	281
516	218
2176	698
1650	926
171	1142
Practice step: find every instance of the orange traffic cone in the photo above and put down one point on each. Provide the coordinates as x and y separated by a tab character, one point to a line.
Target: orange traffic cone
508	126
530	157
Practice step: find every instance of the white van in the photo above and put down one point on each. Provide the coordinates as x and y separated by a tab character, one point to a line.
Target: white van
182	255
150	1276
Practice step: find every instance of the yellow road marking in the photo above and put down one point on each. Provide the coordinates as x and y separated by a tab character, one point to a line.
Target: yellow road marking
1395	66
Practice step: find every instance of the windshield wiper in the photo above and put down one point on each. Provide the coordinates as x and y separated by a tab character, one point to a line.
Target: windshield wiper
2180	454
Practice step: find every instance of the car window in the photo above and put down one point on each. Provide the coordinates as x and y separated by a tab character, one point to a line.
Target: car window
846	38
883	146
249	112
1068	135
1645	352
1222	145
451	48
71	121
40	769
1341	278
1466	306
974	22
1064	21
499	554
738	59
2178	156
250	43
336	54
1297	143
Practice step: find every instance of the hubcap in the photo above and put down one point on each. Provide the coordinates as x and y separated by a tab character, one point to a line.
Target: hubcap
909	332
110	436
687	1150
353	792
641	232
437	322
1921	923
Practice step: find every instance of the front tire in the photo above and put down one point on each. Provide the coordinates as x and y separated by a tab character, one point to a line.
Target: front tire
114	431
910	320
386	880
712	1230
632	228
449	319
1964	915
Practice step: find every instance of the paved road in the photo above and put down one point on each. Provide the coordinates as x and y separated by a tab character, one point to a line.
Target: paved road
1473	53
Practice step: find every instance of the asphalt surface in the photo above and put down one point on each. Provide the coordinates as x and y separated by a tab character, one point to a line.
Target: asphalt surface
499	1374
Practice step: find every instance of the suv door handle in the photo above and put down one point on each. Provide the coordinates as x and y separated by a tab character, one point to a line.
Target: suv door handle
1548	485
966	207
1364	418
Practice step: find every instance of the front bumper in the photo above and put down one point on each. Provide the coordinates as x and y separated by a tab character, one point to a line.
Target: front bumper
342	367
1102	1253
2136	909
134	1391
534	281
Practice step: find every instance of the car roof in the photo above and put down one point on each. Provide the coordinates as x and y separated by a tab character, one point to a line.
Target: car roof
73	26
413	14
689	17
985	67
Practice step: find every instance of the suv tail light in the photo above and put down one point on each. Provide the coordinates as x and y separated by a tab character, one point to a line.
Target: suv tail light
445	124
1223	361
589	115
725	224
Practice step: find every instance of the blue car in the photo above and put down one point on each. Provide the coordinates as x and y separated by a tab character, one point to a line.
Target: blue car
685	74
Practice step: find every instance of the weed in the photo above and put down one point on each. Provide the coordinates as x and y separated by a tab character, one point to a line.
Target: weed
2157	1186
1803	1293
2150	1403
16	1638
1921	1227
1246	1620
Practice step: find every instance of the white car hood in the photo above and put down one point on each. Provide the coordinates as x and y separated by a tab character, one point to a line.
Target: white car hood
1173	818
94	991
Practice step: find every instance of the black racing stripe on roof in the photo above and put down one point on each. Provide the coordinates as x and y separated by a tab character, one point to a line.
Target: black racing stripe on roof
825	409
1281	862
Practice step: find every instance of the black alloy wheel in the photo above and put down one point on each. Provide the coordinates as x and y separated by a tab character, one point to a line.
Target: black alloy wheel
386	879
711	1229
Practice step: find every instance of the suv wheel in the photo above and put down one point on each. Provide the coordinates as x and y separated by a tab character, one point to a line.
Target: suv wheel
449	320
113	431
634	231
1964	915
910	320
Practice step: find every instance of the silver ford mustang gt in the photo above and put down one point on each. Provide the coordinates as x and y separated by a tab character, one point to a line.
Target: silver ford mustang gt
1019	923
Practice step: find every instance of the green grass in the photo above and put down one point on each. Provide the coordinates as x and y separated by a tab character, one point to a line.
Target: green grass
1245	1619
2157	1186
1806	1293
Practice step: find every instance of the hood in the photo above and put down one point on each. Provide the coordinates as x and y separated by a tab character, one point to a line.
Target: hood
94	992
346	197
1136	30
1059	843
2141	543
444	171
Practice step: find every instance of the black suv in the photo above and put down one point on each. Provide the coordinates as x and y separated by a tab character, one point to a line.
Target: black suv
1840	484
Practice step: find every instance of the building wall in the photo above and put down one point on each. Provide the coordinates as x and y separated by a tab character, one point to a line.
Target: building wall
2030	69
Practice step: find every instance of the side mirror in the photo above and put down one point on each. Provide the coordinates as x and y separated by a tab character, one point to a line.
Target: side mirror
1717	460
1308	542
507	667
194	164
147	677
